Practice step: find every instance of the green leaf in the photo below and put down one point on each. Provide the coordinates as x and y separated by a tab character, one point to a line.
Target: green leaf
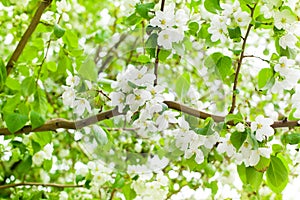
235	33
12	84
36	119
2	74
208	128
277	175
263	164
40	102
47	165
42	138
51	66
28	86
71	39
265	78
183	84
212	6
193	28
58	31
151	44
143	9
224	67
100	135
249	175
293	138
133	19
143	59
15	121
88	70
237	139
119	181
128	192
24	165
163	54
212	60
236	118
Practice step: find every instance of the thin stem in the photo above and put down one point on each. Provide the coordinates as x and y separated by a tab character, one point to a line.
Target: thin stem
234	89
253	56
158	50
39	184
34	22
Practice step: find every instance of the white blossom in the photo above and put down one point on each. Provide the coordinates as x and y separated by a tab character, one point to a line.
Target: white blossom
225	145
81	105
263	128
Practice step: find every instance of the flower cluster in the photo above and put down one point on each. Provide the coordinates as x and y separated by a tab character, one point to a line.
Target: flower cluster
172	24
5	149
288	75
231	16
135	91
69	96
45	154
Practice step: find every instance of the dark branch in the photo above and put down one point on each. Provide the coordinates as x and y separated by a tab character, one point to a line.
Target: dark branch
55	124
34	22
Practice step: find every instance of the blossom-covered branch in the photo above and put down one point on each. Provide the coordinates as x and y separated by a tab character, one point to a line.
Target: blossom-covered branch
35	20
39	184
55	124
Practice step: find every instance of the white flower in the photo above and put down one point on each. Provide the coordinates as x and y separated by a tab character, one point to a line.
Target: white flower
81	168
282	19
38	158
194	150
164	19
5	149
139	76
240	127
218	29
80	106
118	99
211	140
68	96
165	118
168	36
225	145
137	99
63	6
296	101
63	195
181	19
263	128
288	40
48	149
242	18
71	80
283	66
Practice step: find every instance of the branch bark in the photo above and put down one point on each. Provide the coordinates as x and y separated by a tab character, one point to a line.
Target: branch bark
55	124
39	184
20	47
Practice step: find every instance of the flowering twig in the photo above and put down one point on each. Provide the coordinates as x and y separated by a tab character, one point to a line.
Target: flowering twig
253	56
34	22
234	89
39	184
55	124
158	49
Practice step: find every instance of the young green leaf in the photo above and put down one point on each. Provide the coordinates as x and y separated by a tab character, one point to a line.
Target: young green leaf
183	84
58	31
88	70
15	121
277	175
212	6
151	44
143	9
36	119
265	78
237	139
2	74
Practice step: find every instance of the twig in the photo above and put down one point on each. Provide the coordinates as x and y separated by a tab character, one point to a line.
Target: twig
233	103
253	56
109	58
55	124
158	50
39	184
34	22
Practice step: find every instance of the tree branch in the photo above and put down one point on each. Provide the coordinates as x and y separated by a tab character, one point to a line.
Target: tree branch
234	92
55	124
158	50
34	22
39	184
